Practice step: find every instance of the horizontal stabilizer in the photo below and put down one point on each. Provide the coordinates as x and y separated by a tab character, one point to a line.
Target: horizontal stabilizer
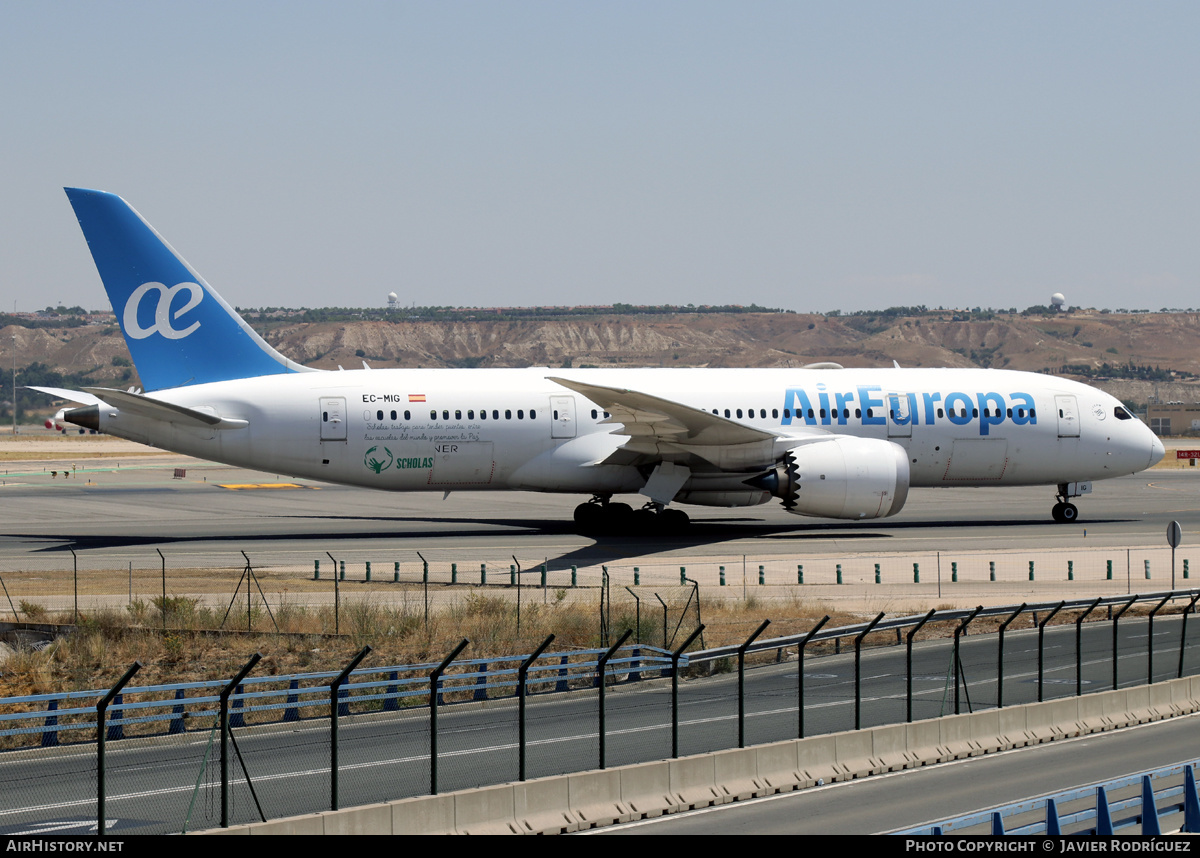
168	412
70	395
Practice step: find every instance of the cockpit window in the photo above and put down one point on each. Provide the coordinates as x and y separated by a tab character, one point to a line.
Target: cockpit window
1121	414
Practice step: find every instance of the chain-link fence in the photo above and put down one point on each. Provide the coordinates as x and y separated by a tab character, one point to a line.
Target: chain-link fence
252	745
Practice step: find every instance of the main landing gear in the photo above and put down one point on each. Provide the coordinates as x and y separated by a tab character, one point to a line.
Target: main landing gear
600	517
1065	512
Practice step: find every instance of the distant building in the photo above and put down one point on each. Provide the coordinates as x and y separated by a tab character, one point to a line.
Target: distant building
1176	418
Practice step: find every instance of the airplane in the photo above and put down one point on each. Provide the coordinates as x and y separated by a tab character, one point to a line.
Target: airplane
824	440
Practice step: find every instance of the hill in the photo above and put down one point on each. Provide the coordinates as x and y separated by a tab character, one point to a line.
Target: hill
1132	355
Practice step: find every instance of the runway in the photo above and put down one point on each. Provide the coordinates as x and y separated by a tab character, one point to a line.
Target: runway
118	506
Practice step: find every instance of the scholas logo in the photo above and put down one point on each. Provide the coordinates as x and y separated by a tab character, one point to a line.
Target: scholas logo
869	406
162	311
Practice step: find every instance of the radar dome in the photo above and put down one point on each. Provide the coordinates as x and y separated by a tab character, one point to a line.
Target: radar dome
1057	300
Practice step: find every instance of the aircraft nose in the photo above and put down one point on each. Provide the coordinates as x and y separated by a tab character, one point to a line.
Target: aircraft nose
1157	451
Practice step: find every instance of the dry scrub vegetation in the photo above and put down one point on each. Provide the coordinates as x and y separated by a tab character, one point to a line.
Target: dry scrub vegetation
105	642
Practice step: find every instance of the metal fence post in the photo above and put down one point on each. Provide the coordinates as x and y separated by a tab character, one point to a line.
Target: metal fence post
1000	656
958	632
1115	636
522	673
742	681
101	709
858	670
1041	644
675	691
800	675
1079	647
1150	638
1183	630
908	660
225	692
434	679
334	687
601	663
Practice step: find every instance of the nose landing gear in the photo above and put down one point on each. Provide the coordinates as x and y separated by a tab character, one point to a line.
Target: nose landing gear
1065	512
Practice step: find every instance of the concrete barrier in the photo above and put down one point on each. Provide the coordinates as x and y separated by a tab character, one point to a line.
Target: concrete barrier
543	806
595	797
570	802
737	773
693	779
486	810
925	742
646	788
889	746
779	767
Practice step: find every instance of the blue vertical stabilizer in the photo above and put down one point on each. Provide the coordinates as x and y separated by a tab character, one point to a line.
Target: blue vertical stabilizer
179	331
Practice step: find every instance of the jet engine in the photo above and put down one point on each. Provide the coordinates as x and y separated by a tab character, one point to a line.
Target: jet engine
842	477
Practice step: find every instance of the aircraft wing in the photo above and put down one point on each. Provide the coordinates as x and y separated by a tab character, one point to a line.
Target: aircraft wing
662	430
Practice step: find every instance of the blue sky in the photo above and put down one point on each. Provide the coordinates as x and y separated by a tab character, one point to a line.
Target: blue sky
811	156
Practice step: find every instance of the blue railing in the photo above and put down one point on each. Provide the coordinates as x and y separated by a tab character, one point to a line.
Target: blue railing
1142	813
378	688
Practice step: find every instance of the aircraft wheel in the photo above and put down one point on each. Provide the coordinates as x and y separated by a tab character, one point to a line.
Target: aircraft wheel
674	520
1069	514
643	521
1057	512
618	518
588	515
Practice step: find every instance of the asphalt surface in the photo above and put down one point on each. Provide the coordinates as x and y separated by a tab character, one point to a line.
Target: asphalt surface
164	784
211	513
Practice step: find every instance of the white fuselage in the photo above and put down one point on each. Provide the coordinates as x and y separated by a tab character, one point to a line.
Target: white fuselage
450	429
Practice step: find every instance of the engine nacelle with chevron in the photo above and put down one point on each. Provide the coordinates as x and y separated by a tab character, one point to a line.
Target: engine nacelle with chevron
842	477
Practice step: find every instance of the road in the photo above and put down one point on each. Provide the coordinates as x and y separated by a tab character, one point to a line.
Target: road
155	785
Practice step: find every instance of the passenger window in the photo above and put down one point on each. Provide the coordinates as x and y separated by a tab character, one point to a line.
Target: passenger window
393	415
774	412
787	414
378	415
458	414
471	414
508	414
445	413
433	415
739	412
594	414
858	412
408	415
483	414
810	414
495	414
726	412
520	413
532	414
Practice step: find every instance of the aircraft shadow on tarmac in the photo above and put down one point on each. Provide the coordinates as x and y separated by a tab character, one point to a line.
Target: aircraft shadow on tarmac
603	548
